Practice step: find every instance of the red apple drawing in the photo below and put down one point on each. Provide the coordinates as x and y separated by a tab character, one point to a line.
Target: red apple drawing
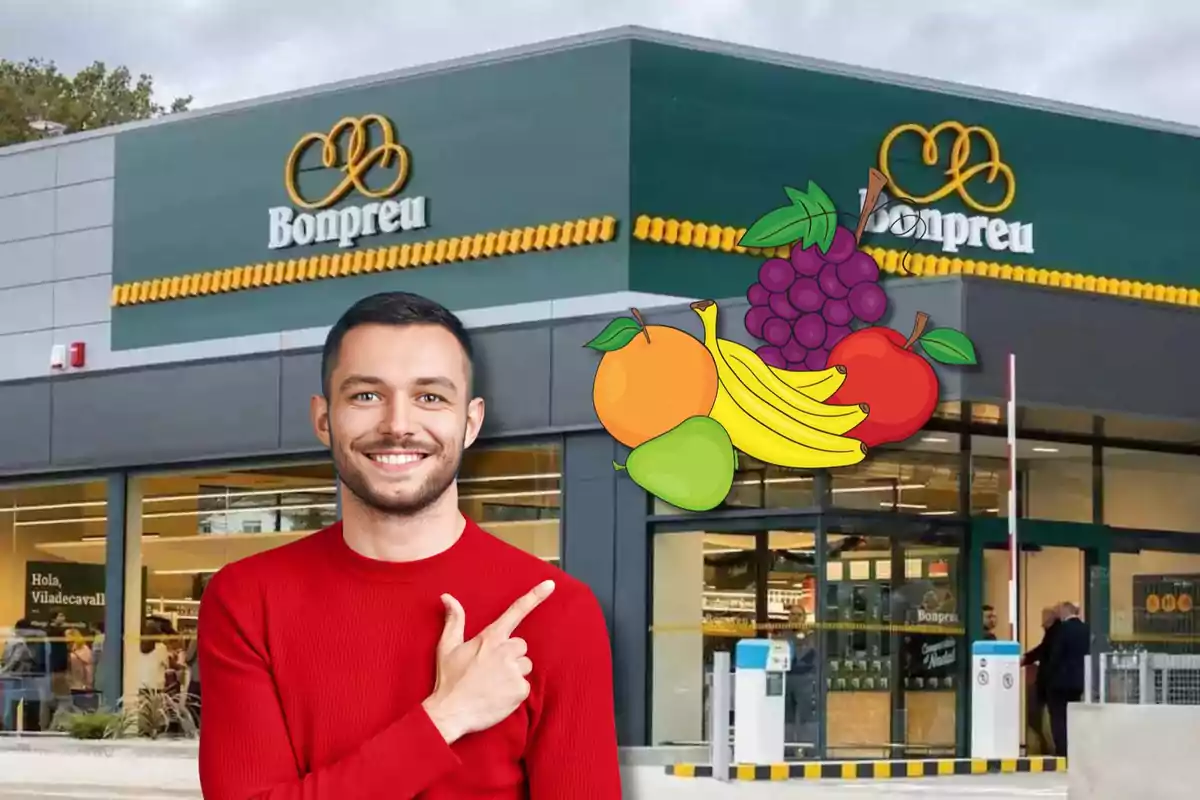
884	370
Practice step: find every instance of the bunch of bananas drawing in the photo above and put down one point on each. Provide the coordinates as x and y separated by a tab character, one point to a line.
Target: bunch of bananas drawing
779	416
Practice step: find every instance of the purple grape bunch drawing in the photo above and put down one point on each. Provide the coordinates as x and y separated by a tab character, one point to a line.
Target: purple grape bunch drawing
803	305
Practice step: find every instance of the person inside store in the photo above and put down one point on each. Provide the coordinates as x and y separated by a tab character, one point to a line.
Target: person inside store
22	673
99	664
80	671
989	623
1036	714
60	663
191	659
403	651
800	713
1066	655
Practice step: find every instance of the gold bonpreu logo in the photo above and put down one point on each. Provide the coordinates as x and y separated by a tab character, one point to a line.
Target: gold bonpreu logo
357	160
958	171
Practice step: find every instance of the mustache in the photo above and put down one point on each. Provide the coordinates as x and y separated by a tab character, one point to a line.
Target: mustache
392	443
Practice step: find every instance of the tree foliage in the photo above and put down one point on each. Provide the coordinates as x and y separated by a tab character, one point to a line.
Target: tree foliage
35	92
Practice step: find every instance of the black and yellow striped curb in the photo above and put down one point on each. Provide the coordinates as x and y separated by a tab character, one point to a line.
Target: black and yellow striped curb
471	247
724	238
875	770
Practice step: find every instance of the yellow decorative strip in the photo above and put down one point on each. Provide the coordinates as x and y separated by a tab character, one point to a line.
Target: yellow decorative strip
492	244
683	233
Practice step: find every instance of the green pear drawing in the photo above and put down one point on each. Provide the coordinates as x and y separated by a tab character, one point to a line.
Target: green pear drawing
690	466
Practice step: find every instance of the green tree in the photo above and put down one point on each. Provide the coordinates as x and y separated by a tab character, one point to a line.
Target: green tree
34	93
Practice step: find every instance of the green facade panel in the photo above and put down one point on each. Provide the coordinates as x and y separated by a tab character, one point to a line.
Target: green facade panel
624	128
715	138
516	143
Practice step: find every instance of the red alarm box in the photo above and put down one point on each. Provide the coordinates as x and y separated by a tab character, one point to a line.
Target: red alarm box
78	354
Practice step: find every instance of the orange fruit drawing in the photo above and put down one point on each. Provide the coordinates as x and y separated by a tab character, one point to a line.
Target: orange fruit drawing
650	379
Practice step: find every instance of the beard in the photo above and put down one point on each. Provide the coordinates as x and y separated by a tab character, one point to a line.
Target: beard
412	495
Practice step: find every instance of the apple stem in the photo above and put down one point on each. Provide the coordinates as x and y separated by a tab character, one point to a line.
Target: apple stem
638	316
875	183
918	329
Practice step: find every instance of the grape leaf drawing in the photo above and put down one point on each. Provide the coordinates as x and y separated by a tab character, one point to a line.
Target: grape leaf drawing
948	346
810	219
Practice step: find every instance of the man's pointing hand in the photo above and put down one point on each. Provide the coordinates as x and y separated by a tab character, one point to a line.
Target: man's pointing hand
481	681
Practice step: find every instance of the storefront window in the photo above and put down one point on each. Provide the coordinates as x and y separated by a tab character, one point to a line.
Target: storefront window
919	479
193	524
1159	491
52	595
1054	479
515	493
1152	601
704	587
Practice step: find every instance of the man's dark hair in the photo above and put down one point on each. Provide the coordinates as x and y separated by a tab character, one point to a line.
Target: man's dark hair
988	608
392	308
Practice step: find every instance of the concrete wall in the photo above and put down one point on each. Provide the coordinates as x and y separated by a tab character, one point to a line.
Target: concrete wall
1124	751
56	245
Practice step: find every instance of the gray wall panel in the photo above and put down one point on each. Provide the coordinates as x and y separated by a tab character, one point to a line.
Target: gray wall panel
1084	351
168	413
27	308
84	205
83	253
25	355
574	366
89	160
26	261
82	301
25	216
27	172
24	426
299	381
513	374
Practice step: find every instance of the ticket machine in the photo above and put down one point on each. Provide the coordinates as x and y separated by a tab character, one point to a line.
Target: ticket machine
760	672
995	699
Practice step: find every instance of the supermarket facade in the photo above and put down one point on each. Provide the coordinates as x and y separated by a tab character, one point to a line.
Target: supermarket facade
165	288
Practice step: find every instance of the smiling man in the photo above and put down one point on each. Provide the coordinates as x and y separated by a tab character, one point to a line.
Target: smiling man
403	652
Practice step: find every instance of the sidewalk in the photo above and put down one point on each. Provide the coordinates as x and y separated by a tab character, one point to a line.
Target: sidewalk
65	769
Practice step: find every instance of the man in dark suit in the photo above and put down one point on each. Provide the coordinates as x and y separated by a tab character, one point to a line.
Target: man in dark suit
1068	652
1040	657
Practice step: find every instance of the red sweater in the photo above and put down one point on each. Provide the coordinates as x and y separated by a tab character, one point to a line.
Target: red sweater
315	661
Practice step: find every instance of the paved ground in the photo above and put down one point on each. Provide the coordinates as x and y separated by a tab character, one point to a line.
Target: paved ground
652	785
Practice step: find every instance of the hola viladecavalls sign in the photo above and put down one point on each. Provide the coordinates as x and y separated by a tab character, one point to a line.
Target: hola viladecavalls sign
75	589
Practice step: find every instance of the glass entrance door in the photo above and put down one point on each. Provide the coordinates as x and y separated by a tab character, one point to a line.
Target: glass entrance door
894	639
1046	577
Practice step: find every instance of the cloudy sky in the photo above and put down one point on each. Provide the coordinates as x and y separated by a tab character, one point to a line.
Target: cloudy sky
1138	58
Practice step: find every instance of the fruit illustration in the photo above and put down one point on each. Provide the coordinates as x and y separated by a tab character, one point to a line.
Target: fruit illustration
884	371
819	385
804	305
650	379
772	422
690	466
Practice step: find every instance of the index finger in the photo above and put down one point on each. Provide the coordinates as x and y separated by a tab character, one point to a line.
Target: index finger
506	623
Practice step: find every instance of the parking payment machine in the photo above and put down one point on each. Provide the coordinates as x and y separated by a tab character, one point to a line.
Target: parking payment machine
995	699
761	667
